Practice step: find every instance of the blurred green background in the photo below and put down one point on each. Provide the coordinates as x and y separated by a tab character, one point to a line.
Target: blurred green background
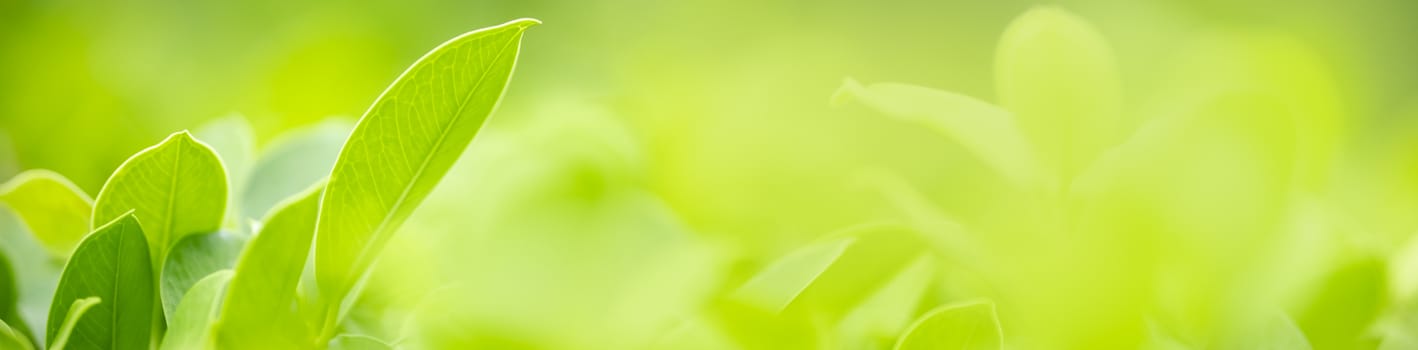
650	155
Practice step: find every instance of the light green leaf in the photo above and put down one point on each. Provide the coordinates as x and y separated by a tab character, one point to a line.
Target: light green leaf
970	325
781	282
11	338
191	324
259	311
75	313
1056	73
232	140
1275	333
9	297
889	310
358	342
292	163
986	130
195	258
401	148
111	264
56	211
177	187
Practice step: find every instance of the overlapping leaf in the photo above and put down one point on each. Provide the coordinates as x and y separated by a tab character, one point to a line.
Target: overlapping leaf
110	264
193	259
191	325
259	310
177	188
971	325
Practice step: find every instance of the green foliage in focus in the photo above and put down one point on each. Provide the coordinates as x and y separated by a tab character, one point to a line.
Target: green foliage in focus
70	325
112	265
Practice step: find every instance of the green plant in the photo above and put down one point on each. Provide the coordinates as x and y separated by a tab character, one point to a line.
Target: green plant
166	255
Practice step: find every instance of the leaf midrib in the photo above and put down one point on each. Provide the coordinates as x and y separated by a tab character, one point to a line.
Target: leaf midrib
418	173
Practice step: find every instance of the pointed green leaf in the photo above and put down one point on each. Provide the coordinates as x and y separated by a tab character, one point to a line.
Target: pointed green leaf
232	140
1056	73
259	311
781	282
192	321
56	211
11	338
195	258
970	325
111	264
177	187
988	131
402	146
66	331
292	163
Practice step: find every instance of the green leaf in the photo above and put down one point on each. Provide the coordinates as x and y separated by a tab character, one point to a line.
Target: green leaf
358	342
75	313
259	309
402	146
781	282
889	310
1274	333
177	187
232	140
9	299
111	264
970	325
984	129
195	258
56	211
292	163
11	338
192	322
1056	73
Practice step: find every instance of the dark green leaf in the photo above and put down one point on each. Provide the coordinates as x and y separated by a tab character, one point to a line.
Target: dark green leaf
111	264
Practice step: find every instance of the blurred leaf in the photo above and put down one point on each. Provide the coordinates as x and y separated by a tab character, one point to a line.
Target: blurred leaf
11	338
194	258
231	139
75	314
110	264
890	309
780	283
1056	73
970	325
191	323
178	187
358	342
1274	333
988	131
1345	304
400	149
258	312
292	163
9	298
56	211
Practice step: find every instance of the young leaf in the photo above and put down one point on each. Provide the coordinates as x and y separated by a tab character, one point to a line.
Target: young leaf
402	146
177	187
292	163
971	325
56	211
111	264
781	282
986	130
258	312
1056	73
193	259
11	338
75	313
232	139
191	325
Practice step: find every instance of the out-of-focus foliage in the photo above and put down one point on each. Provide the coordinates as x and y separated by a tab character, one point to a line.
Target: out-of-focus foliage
671	174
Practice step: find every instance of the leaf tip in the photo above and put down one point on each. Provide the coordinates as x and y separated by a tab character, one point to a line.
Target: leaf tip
523	23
